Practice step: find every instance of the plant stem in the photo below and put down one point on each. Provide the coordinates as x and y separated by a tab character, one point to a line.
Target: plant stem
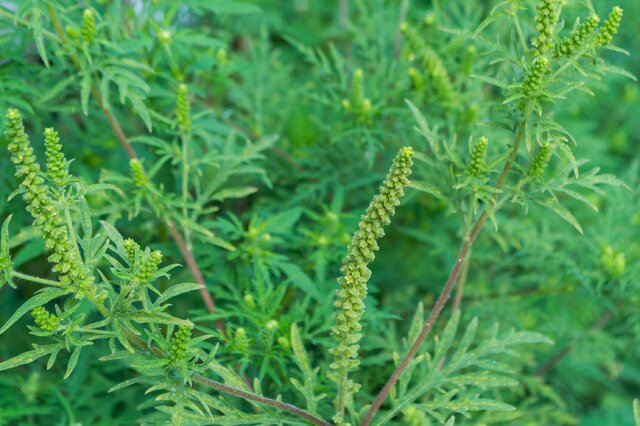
599	323
34	279
463	278
195	270
402	16
453	276
260	399
117	129
235	391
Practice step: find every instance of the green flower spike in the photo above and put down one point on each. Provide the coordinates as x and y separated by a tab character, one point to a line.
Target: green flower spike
47	220
609	28
241	341
149	267
183	109
417	81
45	320
478	158
532	84
355	274
546	20
131	247
88	29
56	162
576	40
358	104
138	174
179	341
541	160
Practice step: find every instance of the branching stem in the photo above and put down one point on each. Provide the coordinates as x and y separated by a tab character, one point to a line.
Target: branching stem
117	129
453	276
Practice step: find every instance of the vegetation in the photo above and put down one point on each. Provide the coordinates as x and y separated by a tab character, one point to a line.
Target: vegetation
189	241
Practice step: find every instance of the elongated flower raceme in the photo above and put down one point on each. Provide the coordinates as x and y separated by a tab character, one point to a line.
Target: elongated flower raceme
138	175
539	163
88	29
609	28
56	162
183	109
576	40
358	104
353	283
178	347
47	220
533	81
45	320
478	158
546	20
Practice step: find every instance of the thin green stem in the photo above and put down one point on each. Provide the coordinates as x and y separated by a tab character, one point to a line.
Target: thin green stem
516	23
185	183
453	276
33	279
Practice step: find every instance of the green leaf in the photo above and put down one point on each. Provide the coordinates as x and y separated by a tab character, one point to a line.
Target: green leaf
73	360
636	411
4	237
224	7
85	91
300	279
428	188
41	298
238	192
29	357
483	380
562	212
38	36
177	289
299	352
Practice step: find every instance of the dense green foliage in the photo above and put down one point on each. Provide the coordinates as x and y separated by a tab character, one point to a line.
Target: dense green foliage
186	238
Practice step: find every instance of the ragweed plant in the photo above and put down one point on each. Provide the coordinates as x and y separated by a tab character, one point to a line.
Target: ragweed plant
244	140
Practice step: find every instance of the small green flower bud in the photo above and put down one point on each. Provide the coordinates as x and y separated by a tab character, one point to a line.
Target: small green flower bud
248	300
613	262
353	283
222	58
138	174
478	158
268	334
417	81
533	82
541	160
284	343
183	108
576	40
358	104
179	342
57	165
468	58
88	29
45	320
241	341
546	20
164	37
131	248
72	32
609	28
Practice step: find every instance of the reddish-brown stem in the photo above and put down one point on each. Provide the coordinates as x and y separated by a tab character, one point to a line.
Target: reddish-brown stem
453	276
457	300
260	399
599	323
195	270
